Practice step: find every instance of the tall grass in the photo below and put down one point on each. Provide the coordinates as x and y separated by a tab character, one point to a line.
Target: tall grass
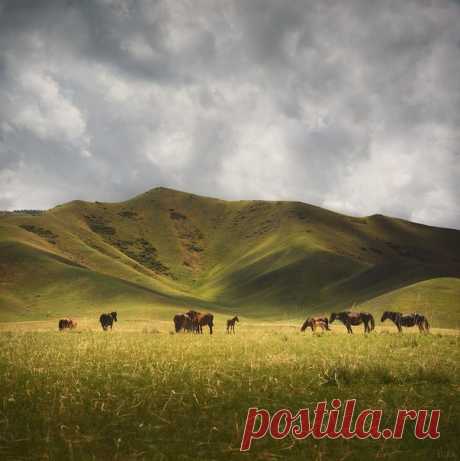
154	395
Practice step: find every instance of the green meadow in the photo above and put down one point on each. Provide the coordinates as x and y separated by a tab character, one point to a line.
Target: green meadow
141	392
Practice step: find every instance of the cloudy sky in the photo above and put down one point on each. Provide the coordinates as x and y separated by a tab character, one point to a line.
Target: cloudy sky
349	105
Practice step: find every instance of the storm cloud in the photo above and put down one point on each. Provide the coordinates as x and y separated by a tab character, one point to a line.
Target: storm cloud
350	105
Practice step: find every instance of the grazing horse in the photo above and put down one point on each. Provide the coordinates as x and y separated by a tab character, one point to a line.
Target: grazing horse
182	321
314	322
231	324
407	320
107	320
199	320
67	323
355	318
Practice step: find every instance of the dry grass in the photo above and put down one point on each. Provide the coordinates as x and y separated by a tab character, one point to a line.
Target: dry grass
141	393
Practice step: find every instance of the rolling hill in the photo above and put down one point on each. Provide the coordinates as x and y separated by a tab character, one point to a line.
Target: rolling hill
165	249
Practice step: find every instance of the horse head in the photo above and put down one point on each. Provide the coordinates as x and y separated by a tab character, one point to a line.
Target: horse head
192	314
333	317
386	315
304	325
237	319
114	316
179	321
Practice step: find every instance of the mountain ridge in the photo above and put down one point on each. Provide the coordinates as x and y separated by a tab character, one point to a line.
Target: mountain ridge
249	256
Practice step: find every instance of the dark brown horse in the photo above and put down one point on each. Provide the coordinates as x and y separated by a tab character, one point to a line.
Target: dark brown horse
314	322
107	320
193	316
407	320
67	324
182	322
355	318
231	324
200	320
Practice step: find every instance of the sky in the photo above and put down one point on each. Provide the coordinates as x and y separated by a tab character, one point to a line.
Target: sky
349	105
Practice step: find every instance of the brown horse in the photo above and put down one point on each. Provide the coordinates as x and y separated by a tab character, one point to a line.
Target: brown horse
407	320
314	322
231	324
182	321
355	318
67	323
200	320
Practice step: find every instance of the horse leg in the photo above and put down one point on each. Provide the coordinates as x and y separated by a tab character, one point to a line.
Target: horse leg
350	331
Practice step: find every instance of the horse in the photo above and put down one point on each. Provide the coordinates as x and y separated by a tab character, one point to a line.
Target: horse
355	318
231	324
407	320
199	320
182	321
66	323
314	322
107	320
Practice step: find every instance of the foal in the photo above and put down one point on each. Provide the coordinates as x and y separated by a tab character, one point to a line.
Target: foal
231	324
314	322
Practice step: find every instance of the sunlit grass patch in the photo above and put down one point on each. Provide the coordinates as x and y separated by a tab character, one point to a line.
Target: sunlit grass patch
148	394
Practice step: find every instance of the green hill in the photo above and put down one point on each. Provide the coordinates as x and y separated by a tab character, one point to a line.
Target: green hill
165	249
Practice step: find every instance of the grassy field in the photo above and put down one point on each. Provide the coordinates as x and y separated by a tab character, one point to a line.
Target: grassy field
140	392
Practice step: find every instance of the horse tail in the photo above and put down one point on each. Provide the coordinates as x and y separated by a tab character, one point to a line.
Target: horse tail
304	325
371	318
426	324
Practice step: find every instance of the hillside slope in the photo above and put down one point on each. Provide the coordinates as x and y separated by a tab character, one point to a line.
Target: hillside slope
169	248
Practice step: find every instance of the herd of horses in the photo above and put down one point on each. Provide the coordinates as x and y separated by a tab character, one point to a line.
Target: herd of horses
193	321
350	319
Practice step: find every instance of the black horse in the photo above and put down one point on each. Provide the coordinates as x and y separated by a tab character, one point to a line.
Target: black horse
107	320
355	318
407	320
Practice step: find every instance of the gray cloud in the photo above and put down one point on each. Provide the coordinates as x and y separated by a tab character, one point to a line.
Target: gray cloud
354	106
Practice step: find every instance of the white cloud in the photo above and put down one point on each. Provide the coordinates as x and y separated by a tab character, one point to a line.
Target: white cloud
45	111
